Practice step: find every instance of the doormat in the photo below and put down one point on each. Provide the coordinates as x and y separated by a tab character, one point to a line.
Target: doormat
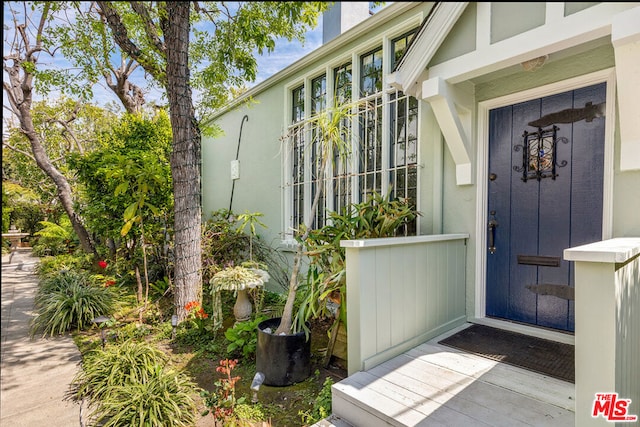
546	357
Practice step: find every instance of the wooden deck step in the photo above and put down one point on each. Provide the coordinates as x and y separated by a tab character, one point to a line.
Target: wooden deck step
434	385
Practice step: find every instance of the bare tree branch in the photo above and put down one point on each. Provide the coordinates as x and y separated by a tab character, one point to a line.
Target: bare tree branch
18	150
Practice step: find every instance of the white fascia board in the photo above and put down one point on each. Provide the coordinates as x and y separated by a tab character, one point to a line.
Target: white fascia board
427	43
587	25
625	37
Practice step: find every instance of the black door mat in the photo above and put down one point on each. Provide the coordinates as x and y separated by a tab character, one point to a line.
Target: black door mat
546	357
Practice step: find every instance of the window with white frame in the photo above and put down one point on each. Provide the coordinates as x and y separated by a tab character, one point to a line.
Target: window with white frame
384	156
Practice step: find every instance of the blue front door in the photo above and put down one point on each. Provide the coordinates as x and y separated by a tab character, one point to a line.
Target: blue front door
545	186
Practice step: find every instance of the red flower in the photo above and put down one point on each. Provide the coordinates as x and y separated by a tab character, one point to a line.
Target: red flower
109	283
102	264
191	305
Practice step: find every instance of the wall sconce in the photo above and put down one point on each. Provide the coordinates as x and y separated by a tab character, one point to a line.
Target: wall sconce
535	63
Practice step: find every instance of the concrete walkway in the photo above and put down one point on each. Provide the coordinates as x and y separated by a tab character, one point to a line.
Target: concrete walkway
34	374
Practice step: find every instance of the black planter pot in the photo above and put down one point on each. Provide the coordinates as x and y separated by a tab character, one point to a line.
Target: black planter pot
283	359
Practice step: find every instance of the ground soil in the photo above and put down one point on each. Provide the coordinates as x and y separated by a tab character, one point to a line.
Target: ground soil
282	405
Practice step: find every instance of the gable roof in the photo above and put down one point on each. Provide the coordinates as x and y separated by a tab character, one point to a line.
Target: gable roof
433	31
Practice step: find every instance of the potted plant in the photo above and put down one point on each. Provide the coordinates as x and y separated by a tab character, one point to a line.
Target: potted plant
325	287
283	352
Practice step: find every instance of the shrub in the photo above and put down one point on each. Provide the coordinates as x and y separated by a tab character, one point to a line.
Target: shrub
69	300
49	266
163	400
55	239
128	384
243	337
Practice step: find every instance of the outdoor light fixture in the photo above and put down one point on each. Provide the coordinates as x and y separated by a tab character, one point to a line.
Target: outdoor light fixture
534	64
101	321
258	379
174	323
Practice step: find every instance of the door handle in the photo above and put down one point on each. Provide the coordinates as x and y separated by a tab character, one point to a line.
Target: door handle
492	232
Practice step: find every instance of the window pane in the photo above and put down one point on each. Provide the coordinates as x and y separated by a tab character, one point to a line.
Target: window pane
342	77
370	147
371	73
399	45
318	94
403	125
297	156
297	105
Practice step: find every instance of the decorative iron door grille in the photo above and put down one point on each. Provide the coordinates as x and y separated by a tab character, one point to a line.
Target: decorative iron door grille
539	154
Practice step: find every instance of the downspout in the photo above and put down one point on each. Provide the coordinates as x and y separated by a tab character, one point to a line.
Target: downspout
233	185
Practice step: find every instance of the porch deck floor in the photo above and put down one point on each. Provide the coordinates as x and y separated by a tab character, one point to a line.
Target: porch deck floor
435	385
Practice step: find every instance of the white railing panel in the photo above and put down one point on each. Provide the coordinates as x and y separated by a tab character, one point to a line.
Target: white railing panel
400	293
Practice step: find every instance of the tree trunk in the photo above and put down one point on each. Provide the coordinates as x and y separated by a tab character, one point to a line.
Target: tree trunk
19	93
44	163
185	160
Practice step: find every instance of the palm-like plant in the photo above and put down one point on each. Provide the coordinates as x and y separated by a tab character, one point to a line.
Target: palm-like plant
129	384
332	139
69	300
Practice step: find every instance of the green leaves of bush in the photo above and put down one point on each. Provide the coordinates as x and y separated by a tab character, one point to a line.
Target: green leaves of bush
129	385
69	300
243	337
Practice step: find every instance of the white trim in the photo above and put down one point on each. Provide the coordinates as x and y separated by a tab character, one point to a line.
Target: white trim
439	94
426	43
618	250
395	241
625	37
484	107
483	24
554	12
533	331
578	28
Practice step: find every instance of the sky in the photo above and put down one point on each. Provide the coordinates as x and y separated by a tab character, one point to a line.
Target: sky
285	54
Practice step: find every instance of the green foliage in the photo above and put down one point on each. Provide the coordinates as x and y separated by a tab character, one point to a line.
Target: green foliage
128	384
243	337
51	265
128	177
60	138
374	218
249	414
128	192
131	361
21	207
321	405
69	300
55	239
163	401
224	243
229	58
